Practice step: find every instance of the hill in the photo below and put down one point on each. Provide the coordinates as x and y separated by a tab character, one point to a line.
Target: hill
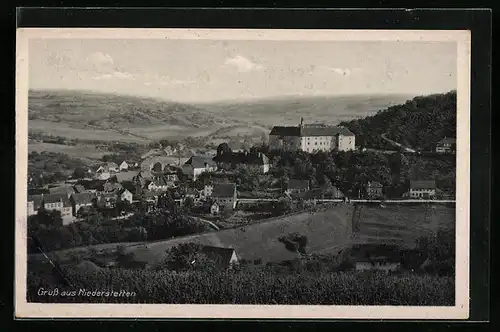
418	123
98	116
327	232
288	110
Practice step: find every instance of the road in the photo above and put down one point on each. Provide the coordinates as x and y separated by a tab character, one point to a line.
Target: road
407	149
397	201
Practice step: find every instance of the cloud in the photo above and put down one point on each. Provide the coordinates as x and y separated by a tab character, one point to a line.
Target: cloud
242	64
340	71
146	79
100	58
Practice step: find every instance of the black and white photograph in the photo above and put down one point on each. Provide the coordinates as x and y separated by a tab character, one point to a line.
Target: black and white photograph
276	173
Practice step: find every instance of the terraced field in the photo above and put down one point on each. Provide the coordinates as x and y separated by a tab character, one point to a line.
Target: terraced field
401	224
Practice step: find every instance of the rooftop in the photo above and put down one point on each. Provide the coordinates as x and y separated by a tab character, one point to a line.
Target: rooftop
224	190
246	158
199	162
423	184
310	130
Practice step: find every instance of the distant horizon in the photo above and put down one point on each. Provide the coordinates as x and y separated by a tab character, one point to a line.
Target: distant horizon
235	100
206	71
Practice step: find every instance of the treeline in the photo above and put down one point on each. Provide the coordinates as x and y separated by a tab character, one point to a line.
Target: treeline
47	167
419	123
46	230
247	286
350	171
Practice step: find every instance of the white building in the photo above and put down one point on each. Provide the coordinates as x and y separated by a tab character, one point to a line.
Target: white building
50	202
197	165
123	166
311	138
422	189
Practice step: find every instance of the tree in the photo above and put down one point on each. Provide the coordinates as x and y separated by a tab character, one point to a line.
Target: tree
79	173
223	148
188	203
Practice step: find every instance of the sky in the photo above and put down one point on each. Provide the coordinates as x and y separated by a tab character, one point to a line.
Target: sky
199	71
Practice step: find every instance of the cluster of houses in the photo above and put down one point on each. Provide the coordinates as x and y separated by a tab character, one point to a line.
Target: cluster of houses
70	200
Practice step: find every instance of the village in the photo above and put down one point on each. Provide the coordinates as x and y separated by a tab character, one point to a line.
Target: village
219	188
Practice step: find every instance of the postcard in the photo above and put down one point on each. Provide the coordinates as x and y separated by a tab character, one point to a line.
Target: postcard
230	173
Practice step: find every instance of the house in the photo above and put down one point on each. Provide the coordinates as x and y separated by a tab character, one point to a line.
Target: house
159	183
123	166
107	199
230	160
65	189
79	189
214	208
208	190
80	200
422	189
225	195
374	189
311	138
109	167
223	258
58	202
103	176
111	187
297	186
380	263
169	151
385	258
446	145
125	195
196	165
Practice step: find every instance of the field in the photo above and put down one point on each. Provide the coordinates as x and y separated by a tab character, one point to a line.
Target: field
327	232
77	151
77	130
86	115
402	224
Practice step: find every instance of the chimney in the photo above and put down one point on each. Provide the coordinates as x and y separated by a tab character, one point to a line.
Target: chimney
301	122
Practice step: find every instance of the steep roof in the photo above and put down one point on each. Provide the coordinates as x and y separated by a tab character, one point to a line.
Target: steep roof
311	130
238	158
199	162
448	140
111	186
224	190
63	189
160	181
79	189
423	184
374	184
37	201
221	256
82	198
285	131
298	184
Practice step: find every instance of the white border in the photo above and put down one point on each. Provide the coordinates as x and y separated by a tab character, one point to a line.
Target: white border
36	310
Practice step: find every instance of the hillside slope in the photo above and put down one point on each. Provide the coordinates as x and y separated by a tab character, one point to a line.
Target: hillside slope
418	123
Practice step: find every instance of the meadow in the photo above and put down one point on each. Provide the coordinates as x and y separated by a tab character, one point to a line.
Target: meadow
402	224
327	232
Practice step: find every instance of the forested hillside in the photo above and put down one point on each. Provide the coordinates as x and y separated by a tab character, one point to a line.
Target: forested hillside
418	123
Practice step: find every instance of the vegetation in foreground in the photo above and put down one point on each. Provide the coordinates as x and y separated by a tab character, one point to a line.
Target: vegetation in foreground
258	286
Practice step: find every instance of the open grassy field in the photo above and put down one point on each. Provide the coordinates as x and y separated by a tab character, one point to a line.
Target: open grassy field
327	232
402	224
75	130
78	151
